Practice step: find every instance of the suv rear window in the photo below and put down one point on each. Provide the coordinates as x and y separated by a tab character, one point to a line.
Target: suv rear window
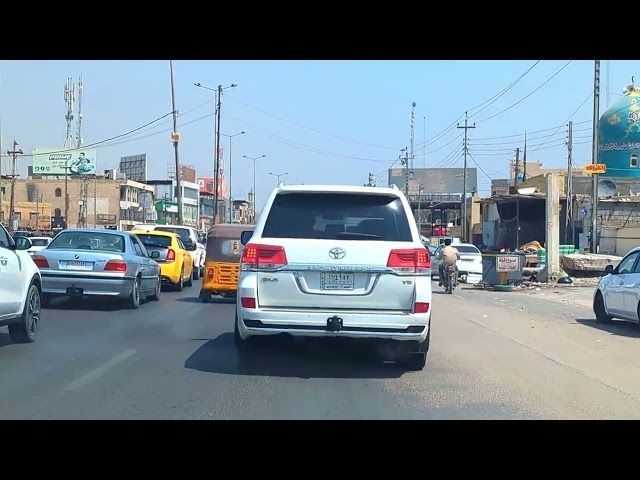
154	240
183	233
332	216
466	248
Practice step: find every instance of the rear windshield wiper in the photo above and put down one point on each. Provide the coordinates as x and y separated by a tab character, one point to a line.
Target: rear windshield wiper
357	236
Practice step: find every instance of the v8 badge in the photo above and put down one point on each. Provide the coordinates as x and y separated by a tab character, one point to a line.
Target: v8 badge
3	261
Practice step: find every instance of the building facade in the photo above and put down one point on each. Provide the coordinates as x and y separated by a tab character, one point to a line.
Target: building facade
93	202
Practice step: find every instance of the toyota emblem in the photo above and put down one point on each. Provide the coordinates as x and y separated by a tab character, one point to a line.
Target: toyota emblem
337	253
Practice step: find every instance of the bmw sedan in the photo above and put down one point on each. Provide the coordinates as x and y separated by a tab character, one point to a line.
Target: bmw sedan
98	263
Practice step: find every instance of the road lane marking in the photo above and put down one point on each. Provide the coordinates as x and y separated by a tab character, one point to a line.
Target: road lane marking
97	372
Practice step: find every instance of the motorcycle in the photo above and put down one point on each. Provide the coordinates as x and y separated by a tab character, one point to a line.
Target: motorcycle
450	278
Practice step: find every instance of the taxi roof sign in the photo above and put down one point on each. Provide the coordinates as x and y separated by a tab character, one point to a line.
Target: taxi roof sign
595	168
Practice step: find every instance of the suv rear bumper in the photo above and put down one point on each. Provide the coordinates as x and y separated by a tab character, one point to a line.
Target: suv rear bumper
402	326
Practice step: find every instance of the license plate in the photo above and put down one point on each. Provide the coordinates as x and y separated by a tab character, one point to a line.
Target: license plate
336	281
451	268
74	265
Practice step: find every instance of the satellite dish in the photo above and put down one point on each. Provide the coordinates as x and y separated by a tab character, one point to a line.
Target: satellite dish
607	188
634	190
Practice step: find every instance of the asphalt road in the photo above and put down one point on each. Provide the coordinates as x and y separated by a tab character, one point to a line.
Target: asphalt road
504	356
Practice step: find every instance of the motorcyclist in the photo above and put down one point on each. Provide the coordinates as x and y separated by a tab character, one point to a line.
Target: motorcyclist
449	255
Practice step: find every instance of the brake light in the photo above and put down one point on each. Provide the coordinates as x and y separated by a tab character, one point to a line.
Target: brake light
421	307
171	255
257	256
210	273
248	302
115	266
40	262
413	260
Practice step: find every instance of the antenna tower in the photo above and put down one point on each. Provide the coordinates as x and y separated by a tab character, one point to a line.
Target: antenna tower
413	135
69	98
79	89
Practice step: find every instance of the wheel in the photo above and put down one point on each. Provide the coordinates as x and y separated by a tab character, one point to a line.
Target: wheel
599	310
205	296
45	300
417	360
133	301
195	273
180	285
156	295
25	331
189	283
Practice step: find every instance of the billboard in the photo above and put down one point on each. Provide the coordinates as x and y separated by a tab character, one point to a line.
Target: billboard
207	188
134	167
52	161
431	181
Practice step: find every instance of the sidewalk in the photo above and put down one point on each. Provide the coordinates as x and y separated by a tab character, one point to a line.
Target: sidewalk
580	296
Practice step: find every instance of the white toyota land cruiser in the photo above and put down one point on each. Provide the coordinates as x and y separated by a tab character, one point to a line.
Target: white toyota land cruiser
339	261
20	288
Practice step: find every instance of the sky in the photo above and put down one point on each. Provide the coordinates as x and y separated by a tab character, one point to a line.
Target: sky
329	122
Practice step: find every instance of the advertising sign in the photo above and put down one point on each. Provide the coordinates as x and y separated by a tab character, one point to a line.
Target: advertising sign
52	161
597	168
430	181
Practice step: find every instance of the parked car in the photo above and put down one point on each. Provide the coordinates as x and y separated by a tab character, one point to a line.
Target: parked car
336	261
20	288
618	293
98	263
469	267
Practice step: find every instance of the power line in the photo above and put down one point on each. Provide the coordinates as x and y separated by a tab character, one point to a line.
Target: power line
513	84
527	96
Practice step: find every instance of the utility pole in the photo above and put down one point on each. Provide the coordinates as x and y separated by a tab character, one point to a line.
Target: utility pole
516	171
14	174
524	160
217	156
405	163
568	229
424	139
466	128
175	137
594	157
370	181
413	135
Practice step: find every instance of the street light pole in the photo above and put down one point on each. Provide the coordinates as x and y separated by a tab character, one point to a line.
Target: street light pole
254	183
219	90
230	196
278	175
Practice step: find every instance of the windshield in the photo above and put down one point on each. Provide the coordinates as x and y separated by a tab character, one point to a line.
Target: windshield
341	216
151	241
183	233
108	242
40	242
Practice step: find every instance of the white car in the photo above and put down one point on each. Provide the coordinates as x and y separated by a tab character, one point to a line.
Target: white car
20	288
190	238
469	266
336	261
618	293
39	243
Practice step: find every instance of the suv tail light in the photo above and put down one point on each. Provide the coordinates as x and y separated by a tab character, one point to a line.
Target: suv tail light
115	266
410	261
171	255
40	262
263	257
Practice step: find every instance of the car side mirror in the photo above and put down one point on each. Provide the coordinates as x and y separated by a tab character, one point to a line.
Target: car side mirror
23	243
245	236
608	270
155	254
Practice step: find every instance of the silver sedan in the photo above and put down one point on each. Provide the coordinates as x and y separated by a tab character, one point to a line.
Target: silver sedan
98	263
